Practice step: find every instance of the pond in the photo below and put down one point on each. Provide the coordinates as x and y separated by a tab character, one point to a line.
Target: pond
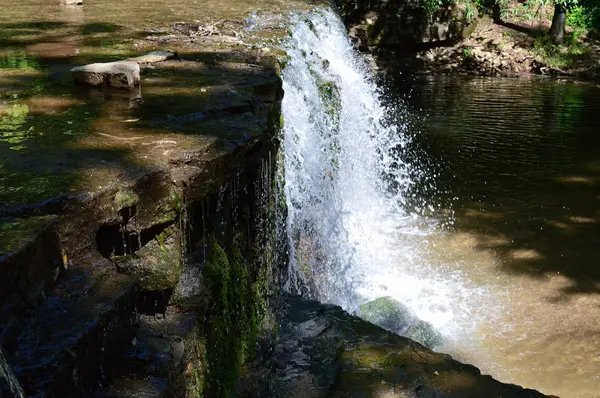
516	166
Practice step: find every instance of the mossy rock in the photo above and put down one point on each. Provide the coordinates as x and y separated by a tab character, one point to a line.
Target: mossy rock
125	199
392	315
232	317
156	266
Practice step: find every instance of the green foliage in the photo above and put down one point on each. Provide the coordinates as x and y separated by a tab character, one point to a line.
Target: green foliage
432	6
559	56
469	11
584	17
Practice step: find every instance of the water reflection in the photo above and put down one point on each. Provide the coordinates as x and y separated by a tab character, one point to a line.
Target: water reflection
519	166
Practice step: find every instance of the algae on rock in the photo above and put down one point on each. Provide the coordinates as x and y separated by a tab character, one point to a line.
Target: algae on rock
156	266
230	323
392	315
125	199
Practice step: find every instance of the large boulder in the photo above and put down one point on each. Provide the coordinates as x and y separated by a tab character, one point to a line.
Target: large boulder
394	316
120	74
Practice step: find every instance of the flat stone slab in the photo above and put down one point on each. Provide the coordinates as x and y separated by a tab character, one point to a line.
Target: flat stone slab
153	56
120	74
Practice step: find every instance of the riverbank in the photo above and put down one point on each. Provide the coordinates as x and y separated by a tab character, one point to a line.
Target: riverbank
458	39
510	48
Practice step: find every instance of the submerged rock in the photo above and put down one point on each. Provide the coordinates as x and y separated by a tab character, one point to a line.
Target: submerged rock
394	316
120	74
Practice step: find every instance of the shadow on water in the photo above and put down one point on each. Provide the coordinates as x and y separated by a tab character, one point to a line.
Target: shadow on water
57	138
520	163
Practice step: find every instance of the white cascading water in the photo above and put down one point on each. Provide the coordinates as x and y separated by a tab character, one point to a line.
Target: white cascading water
350	239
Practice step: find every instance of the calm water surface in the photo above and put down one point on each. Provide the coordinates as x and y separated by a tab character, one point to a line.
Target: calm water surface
518	167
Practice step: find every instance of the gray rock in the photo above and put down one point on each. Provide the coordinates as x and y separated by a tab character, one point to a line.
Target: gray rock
71	2
120	74
30	258
322	351
154	56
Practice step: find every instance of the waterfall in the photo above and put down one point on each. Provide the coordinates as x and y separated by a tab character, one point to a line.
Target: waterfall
351	240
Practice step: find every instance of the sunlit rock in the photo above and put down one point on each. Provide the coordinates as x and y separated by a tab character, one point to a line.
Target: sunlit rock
120	74
153	56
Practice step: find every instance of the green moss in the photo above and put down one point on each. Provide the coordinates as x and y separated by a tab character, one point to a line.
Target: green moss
197	381
124	199
157	266
18	60
175	201
231	319
394	316
331	99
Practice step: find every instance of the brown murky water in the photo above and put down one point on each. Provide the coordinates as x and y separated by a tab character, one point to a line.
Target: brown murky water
519	166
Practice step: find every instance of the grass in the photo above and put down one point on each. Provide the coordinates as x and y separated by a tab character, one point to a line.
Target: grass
561	56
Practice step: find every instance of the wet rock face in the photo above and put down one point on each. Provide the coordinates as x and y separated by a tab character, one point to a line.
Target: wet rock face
30	258
120	74
323	351
397	318
156	266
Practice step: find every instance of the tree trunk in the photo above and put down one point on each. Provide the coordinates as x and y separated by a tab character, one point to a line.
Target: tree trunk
557	30
496	12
